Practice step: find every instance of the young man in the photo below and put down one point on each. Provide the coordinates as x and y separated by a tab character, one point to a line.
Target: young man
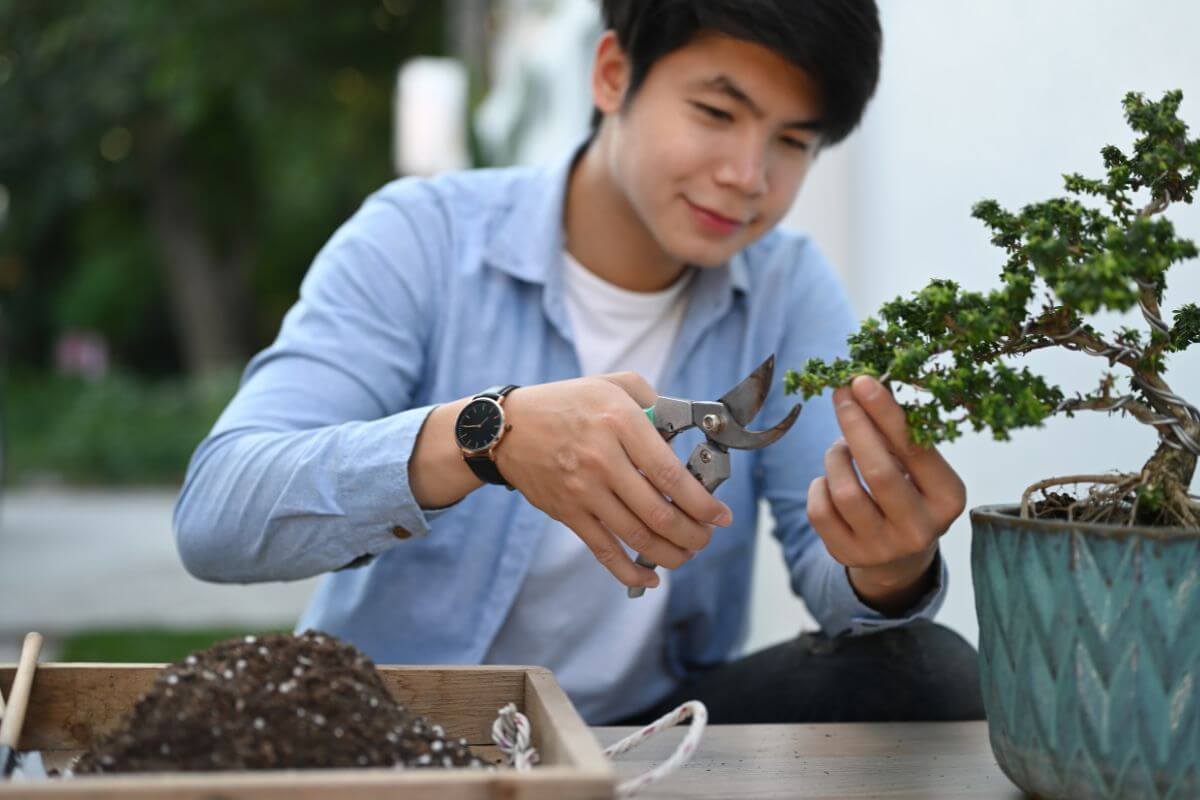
645	263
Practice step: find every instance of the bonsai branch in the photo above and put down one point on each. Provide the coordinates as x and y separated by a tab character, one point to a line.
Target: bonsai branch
1170	428
1127	403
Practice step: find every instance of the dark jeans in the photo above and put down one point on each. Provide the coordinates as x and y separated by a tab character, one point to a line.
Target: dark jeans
918	672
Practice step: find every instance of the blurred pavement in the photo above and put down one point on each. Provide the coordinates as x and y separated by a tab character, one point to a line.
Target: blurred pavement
74	559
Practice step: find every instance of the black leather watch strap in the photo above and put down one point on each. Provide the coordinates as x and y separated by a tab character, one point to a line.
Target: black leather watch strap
482	465
486	470
496	392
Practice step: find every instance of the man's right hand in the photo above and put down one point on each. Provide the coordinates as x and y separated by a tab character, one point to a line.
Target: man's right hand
584	452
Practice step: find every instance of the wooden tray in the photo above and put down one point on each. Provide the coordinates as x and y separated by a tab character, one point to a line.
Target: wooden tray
70	704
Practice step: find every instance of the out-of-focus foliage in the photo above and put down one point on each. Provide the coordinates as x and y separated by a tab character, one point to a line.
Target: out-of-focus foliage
123	429
238	134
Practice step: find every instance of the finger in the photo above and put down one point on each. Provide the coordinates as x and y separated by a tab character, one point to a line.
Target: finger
655	512
666	473
849	497
894	493
839	539
617	517
635	386
926	465
609	553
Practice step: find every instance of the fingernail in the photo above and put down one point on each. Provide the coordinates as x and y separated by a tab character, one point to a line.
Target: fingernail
870	386
723	519
690	554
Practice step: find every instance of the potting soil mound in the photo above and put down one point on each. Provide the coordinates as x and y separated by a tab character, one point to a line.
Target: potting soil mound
272	702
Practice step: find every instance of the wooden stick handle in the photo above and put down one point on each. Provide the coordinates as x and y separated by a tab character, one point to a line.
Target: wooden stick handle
18	696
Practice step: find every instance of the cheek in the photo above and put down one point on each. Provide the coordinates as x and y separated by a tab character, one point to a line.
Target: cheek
784	183
666	163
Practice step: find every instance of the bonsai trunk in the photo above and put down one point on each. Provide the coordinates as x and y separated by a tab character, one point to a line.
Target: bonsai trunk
1165	482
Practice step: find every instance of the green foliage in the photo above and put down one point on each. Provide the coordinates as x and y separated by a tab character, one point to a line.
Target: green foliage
952	345
119	430
274	117
146	645
1186	330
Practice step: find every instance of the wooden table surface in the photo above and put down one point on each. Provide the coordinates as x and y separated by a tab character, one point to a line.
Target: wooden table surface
893	760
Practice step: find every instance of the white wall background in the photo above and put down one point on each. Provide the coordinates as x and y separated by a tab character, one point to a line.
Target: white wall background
996	98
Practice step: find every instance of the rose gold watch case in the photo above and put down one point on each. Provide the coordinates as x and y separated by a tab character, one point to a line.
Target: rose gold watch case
504	428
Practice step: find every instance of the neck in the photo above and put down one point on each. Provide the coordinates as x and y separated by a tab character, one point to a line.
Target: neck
605	234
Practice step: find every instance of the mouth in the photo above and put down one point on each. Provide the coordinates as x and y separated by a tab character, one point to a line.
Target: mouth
714	221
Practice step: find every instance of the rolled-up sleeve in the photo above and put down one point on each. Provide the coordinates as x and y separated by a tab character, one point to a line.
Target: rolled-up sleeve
820	321
307	468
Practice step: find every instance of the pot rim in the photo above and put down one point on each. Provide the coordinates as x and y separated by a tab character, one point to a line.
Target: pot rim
1009	514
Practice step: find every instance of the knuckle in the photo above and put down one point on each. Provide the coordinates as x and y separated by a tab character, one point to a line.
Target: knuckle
842	555
567	459
951	506
816	498
574	484
662	516
590	459
959	504
846	494
639	538
611	419
667	476
916	540
607	555
879	475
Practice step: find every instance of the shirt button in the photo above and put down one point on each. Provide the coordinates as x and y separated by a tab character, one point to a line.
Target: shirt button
401	533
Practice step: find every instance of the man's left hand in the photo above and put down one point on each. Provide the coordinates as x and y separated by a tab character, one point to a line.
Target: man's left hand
886	533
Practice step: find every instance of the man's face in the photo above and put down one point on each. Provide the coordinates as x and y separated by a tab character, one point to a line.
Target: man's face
714	146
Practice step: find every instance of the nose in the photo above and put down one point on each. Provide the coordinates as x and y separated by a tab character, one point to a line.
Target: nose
744	168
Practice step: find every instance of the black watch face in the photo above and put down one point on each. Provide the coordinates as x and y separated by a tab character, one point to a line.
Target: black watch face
479	424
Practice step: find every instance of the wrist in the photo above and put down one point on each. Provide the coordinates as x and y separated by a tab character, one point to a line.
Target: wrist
437	475
894	588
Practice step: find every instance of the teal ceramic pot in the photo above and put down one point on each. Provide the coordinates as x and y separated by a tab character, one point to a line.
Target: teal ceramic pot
1089	645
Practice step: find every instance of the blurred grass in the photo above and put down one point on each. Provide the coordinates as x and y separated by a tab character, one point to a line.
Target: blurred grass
118	430
146	645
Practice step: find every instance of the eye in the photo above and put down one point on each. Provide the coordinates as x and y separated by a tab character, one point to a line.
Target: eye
713	112
796	144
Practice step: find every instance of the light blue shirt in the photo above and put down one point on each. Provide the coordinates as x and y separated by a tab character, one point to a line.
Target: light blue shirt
434	290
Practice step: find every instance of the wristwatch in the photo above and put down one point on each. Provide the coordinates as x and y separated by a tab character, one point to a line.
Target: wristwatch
479	428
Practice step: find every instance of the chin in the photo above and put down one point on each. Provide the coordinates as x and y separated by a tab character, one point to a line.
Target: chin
703	254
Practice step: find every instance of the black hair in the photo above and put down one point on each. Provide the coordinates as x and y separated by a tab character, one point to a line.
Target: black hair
837	42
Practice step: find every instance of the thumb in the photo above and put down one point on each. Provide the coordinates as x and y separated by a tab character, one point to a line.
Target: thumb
634	385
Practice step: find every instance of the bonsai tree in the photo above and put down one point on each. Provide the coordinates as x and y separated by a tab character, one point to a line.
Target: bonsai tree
1105	246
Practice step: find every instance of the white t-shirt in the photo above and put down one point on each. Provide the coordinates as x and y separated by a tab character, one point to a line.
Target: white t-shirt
571	615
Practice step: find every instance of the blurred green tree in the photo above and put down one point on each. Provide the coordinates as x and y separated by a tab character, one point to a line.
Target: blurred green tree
172	168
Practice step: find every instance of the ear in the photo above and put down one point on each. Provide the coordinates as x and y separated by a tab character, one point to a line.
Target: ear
610	74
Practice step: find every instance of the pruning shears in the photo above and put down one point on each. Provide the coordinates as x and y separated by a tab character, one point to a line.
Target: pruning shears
723	422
